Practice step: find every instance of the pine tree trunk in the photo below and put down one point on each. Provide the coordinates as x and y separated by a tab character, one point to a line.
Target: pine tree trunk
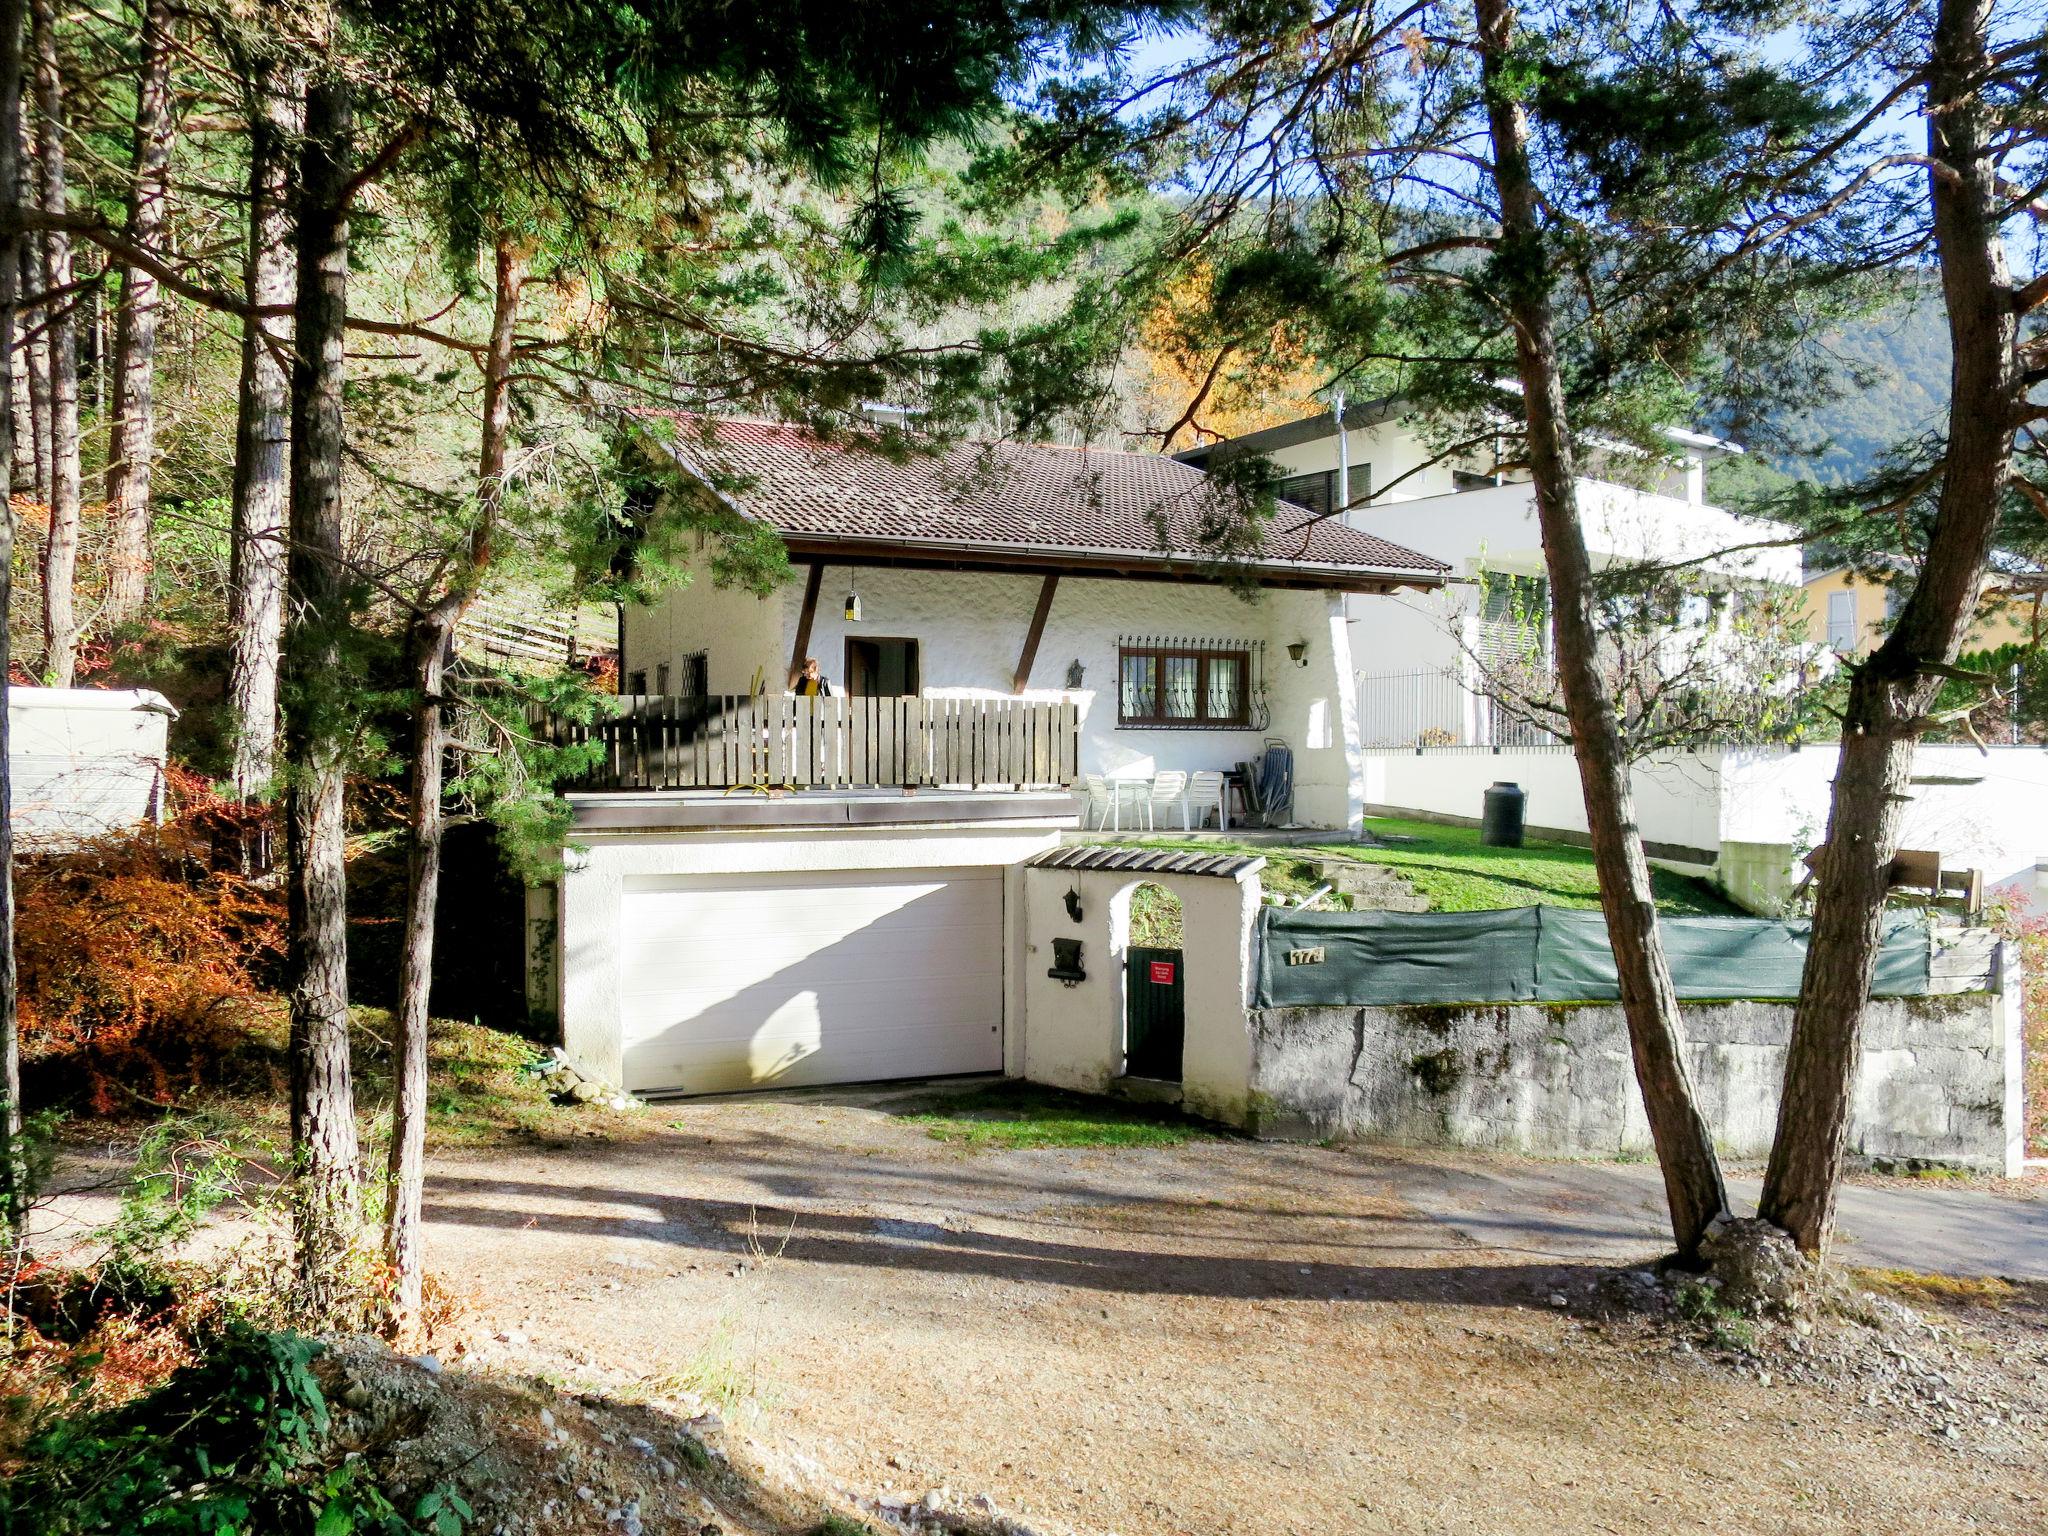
432	639
13	1197
1891	691
33	348
262	435
131	445
317	712
22	455
60	548
1693	1185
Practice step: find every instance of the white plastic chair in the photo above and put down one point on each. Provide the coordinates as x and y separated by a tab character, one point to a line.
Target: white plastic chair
1168	789
1205	791
1096	812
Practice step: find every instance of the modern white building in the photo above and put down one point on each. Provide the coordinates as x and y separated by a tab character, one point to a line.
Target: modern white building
1416	653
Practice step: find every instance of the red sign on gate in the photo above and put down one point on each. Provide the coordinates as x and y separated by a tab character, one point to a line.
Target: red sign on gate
1160	973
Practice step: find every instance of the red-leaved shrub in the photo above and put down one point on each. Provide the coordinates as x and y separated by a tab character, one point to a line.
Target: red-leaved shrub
133	952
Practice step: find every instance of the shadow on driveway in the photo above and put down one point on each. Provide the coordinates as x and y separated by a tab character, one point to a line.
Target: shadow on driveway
732	1228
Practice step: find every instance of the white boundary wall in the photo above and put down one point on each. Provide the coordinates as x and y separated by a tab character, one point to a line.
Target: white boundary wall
1678	795
1981	810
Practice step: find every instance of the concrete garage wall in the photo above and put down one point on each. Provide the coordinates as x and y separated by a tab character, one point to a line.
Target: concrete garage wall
1073	1036
586	922
1940	1077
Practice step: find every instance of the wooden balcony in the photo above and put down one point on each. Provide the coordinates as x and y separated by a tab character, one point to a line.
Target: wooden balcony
762	742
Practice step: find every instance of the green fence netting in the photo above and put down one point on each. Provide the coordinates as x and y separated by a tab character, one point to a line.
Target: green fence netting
1538	954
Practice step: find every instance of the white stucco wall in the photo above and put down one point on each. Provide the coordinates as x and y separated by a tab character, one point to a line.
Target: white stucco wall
1073	1036
970	629
595	878
1981	810
1677	794
737	630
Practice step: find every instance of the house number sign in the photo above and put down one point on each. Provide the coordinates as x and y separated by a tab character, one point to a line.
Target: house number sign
1161	973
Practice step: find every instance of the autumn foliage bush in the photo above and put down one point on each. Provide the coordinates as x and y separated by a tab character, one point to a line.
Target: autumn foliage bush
134	953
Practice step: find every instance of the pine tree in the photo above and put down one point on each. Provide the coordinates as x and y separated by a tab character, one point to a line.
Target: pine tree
1537	230
1983	144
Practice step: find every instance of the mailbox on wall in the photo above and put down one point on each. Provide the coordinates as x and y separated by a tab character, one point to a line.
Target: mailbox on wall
1066	962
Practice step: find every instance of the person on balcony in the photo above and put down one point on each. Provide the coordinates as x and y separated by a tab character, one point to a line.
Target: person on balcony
811	683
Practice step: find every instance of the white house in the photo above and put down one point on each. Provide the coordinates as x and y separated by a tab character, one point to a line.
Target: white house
763	888
1015	571
1415	655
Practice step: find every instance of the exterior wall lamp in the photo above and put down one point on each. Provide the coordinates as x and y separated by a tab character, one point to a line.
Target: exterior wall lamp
1297	652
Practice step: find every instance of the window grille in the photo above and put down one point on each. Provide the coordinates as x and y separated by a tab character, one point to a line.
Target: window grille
1177	683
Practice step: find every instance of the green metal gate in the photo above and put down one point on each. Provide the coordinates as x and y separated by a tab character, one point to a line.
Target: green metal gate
1154	1021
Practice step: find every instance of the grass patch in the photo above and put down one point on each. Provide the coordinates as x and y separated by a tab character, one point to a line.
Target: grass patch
1155	917
483	1087
1019	1116
716	1372
1949	1290
1454	872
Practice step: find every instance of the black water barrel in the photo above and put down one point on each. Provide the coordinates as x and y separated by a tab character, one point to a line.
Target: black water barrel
1500	824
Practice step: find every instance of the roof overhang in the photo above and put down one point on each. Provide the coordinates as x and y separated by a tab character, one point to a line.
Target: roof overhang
1125	859
1112	564
806	548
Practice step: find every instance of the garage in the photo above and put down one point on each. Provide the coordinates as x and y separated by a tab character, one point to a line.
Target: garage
731	982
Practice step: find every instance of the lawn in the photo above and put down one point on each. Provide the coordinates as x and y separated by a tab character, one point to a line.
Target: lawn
1017	1116
1450	868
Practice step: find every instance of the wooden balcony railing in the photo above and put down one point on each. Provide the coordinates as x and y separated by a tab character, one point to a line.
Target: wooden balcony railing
768	742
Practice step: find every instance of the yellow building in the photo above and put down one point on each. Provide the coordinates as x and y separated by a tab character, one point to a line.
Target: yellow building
1849	611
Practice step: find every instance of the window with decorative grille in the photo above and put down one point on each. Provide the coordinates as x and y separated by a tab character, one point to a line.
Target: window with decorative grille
1176	684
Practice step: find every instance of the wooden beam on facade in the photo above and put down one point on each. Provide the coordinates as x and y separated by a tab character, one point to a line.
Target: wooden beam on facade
812	583
1032	636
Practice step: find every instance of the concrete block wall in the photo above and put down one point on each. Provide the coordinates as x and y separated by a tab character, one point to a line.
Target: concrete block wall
1940	1076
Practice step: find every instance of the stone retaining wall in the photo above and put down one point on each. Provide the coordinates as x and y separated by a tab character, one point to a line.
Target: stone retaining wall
1940	1080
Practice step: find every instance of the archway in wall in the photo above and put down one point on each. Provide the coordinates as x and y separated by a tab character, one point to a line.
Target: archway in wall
1154	1009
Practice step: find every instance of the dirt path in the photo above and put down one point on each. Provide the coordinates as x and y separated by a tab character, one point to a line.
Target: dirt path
1223	1337
1614	1212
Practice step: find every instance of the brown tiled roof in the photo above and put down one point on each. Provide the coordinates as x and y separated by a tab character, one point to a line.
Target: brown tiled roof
1031	499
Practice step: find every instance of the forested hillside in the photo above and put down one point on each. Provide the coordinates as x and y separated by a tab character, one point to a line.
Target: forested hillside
1894	381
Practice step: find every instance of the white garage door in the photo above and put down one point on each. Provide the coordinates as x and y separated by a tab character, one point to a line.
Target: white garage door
751	981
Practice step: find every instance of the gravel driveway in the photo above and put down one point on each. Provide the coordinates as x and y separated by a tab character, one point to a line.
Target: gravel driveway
1220	1337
